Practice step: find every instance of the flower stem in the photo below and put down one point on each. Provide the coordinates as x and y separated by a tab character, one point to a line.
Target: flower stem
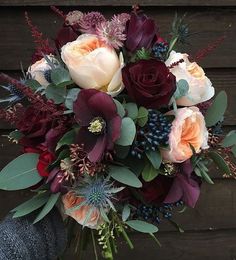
126	237
94	245
172	44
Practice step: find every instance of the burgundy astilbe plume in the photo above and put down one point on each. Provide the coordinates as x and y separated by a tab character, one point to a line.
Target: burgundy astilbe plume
42	45
58	12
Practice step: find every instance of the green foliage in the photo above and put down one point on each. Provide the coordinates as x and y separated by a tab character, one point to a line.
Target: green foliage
21	173
126	212
15	135
142	116
128	132
200	167
125	176
71	97
33	84
155	158
220	162
142	226
121	151
142	54
120	108
68	138
31	205
216	111
56	94
61	77
149	172
230	139
48	207
181	89
132	110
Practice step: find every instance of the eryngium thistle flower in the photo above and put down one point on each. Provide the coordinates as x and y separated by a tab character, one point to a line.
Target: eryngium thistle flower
15	95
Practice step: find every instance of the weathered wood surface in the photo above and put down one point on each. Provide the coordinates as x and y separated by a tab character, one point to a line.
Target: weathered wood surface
206	24
117	2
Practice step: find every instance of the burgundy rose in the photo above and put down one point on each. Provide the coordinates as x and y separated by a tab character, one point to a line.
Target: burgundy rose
141	32
149	83
45	159
100	123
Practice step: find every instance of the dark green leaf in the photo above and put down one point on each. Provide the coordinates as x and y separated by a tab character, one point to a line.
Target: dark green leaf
142	116
230	139
142	226
203	174
21	173
67	139
149	172
126	212
71	97
216	111
132	110
62	155
31	205
55	93
125	176
122	151
48	207
220	162
154	158
128	131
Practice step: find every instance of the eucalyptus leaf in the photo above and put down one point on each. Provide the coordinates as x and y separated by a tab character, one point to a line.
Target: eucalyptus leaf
216	111
181	89
120	108
33	84
48	207
61	77
67	139
132	110
21	173
149	172
71	97
55	93
126	212
125	176
233	150
31	205
230	139
155	158
142	116
128	131
142	226
220	162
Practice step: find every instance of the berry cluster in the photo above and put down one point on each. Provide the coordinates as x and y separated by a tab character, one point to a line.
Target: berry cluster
160	49
154	134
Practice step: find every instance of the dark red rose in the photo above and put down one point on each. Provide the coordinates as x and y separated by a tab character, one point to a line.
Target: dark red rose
100	124
149	83
141	32
45	159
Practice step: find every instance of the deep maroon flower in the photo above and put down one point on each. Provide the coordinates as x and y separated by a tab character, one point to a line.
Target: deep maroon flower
65	35
141	32
186	186
149	83
100	123
57	181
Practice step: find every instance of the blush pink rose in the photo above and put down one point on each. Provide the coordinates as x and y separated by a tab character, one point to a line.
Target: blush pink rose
187	128
70	200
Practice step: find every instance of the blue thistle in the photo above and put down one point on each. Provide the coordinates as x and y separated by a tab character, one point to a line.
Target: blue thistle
153	135
15	95
98	193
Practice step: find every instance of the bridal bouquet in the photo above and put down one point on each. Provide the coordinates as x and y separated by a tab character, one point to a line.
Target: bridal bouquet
117	127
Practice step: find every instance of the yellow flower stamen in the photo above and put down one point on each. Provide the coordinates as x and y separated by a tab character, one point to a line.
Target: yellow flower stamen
96	126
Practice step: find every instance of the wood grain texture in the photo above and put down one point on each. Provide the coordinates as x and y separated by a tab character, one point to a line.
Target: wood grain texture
206	24
117	2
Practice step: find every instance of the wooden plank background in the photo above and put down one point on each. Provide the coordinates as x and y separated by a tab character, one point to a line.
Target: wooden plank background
210	229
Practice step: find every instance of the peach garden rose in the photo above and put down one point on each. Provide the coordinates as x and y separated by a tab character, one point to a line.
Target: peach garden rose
200	87
93	64
70	200
187	128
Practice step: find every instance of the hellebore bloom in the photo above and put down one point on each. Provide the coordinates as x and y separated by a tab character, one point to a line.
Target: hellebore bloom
100	123
141	32
185	187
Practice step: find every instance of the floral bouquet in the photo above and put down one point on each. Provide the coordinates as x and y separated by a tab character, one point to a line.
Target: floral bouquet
117	128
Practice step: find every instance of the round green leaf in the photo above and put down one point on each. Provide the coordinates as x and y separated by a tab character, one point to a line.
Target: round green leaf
230	139
149	172
142	116
71	97
20	173
142	226
125	176
128	131
216	111
132	110
155	158
55	93
61	77
120	108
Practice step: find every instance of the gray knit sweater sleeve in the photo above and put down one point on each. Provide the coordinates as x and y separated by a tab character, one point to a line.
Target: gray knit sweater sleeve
21	240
